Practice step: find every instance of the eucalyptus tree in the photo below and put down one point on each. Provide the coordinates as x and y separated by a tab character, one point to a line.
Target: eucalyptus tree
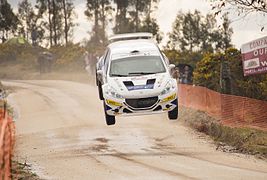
8	20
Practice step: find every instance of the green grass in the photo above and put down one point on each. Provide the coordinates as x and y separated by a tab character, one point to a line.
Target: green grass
244	140
22	171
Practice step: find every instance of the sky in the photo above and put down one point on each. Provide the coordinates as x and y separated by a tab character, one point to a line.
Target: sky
245	30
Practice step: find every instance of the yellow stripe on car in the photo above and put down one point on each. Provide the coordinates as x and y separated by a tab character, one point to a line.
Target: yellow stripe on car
169	98
113	103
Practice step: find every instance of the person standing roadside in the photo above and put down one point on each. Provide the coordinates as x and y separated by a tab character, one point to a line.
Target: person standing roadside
176	74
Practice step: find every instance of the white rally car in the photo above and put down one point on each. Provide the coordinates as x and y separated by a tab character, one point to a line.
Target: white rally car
133	78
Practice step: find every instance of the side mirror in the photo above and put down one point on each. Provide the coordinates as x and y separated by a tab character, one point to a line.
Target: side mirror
171	66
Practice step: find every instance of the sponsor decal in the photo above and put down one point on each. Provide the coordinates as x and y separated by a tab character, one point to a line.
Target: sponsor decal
113	103
169	98
139	87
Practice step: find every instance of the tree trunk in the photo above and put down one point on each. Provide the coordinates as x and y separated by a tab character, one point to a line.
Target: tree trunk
50	23
54	22
136	15
103	19
96	29
116	21
66	28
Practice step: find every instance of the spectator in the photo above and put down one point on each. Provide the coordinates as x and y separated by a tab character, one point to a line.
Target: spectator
176	73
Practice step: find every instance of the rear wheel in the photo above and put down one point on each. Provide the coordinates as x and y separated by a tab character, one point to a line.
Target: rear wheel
173	115
110	120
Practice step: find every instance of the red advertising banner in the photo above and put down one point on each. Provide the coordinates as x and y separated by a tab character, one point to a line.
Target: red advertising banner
254	56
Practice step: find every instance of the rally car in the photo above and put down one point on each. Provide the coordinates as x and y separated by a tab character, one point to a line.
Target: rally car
133	78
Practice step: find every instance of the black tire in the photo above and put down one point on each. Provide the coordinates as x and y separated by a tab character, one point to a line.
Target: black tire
100	92
110	120
173	115
96	79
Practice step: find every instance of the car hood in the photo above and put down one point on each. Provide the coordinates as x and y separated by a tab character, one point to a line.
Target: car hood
140	86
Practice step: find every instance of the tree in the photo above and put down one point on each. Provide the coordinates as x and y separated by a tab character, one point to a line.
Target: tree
207	72
8	20
186	33
57	18
138	7
195	32
121	19
244	6
68	12
135	16
226	33
149	24
45	8
29	22
25	13
97	11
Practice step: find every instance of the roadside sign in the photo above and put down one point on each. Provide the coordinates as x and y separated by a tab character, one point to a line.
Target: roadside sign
254	57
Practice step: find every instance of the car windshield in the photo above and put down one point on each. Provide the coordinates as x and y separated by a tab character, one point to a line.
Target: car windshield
136	65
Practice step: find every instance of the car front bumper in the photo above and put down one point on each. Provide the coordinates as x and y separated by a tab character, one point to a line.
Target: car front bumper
141	106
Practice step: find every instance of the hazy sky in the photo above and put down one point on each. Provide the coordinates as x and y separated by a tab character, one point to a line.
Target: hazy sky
244	30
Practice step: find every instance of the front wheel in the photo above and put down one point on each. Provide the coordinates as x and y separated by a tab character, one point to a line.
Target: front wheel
110	120
173	114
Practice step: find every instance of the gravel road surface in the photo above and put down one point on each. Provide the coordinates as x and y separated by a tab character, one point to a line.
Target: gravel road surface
61	132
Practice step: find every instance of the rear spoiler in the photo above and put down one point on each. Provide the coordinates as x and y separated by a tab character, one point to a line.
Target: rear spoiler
129	36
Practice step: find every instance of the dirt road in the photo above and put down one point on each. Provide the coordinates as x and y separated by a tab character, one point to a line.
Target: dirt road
61	132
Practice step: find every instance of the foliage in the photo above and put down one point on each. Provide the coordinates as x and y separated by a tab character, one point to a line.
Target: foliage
68	13
207	74
8	20
241	7
16	52
149	24
121	19
68	57
183	57
26	16
244	6
97	10
195	32
135	16
59	22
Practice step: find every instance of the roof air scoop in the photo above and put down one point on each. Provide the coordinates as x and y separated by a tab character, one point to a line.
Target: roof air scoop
135	52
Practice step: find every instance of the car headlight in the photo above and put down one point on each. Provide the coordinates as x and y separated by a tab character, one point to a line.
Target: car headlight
110	91
169	86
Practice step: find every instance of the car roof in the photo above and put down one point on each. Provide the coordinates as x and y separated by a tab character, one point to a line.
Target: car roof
128	47
129	36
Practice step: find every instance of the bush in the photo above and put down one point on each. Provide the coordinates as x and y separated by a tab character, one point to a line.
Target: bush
69	57
207	74
185	57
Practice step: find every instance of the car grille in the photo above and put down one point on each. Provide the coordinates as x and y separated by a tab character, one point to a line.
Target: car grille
142	102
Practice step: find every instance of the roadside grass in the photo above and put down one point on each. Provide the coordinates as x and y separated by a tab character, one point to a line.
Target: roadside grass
228	139
22	171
